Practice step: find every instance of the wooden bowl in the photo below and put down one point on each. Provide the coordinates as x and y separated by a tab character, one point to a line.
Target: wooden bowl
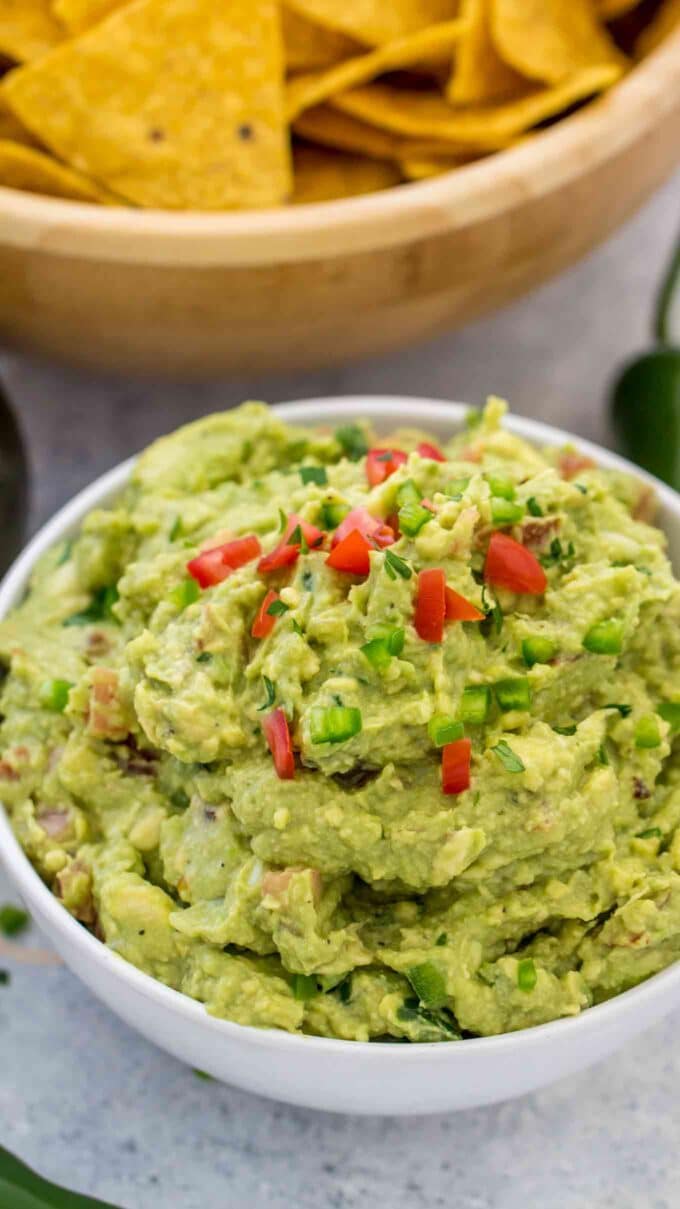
198	295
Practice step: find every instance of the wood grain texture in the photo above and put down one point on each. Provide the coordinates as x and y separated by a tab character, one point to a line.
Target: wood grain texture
194	296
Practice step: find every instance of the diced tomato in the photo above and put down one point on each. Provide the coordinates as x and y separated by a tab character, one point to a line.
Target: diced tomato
277	734
512	566
460	609
284	554
212	566
430	451
374	530
264	622
392	523
572	463
456	759
431	605
351	554
381	463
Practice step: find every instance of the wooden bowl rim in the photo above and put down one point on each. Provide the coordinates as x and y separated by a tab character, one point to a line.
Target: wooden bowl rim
464	197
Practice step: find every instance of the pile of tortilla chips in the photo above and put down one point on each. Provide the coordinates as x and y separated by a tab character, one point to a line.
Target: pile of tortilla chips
242	104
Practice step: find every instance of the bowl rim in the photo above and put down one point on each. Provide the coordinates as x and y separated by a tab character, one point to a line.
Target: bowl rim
67	521
538	166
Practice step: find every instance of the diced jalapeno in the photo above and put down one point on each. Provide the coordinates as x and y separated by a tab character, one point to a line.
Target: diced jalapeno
332	514
336	724
380	650
408	493
526	975
54	695
456	488
504	512
538	650
513	693
475	704
429	984
605	638
647	733
412	518
304	986
443	729
501	486
670	712
185	593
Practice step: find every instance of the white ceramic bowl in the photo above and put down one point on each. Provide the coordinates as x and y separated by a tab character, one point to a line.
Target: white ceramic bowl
316	1072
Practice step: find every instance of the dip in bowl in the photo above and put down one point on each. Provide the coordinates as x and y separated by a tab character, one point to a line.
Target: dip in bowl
354	738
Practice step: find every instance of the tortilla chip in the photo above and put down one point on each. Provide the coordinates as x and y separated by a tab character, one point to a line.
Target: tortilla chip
11	129
479	74
78	15
609	10
328	176
660	28
333	129
310	47
430	45
27	29
375	22
424	169
551	40
34	171
194	120
426	115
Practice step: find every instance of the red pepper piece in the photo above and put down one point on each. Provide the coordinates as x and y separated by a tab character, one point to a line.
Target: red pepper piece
431	605
277	734
212	566
426	450
381	463
456	760
351	555
264	622
460	609
512	566
375	531
286	553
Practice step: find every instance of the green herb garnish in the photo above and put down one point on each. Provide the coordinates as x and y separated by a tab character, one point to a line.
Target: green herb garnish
352	441
277	608
652	833
314	474
565	730
100	608
533	507
304	987
624	710
177	529
396	566
270	691
508	758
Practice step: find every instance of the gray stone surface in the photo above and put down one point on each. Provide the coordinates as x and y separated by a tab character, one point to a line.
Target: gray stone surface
96	1107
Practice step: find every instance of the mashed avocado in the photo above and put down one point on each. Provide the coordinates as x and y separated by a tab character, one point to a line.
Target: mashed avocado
358	737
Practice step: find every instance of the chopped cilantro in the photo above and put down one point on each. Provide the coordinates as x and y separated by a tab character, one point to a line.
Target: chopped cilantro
565	730
394	565
314	474
352	441
100	608
508	758
624	710
270	691
176	530
277	608
533	507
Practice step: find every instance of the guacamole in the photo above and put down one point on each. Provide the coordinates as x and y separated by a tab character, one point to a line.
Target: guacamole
358	736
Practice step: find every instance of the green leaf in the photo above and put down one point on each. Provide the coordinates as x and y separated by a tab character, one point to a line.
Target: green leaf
314	474
394	565
277	608
508	758
100	608
270	690
22	1188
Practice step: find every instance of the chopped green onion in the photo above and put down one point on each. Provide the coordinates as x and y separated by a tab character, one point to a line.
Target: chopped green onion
647	733
270	690
565	730
558	554
277	608
670	712
501	486
352	441
185	593
475	704
304	987
412	518
428	983
100	608
13	920
334	725
526	974
652	833
605	638
513	693
504	512
204	657
394	565
508	758
441	940
177	529
54	695
533	507
443	729
538	650
314	474
333	513
624	710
